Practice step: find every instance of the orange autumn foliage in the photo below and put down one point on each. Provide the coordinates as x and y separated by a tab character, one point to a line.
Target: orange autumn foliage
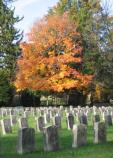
47	58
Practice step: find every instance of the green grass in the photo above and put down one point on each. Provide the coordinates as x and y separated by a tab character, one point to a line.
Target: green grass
8	145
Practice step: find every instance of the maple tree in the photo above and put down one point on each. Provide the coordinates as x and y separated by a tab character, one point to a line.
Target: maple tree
52	57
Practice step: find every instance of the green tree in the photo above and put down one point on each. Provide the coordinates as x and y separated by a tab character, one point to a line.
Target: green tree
9	48
6	89
95	25
85	14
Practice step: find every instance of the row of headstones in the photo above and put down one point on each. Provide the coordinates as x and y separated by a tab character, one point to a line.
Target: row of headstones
25	112
43	110
6	124
49	112
26	137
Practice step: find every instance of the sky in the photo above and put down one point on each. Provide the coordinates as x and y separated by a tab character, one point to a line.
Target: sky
32	10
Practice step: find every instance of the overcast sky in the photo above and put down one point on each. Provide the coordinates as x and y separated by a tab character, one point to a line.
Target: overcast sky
35	9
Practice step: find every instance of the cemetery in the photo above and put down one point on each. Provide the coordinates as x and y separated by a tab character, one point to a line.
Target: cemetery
56	78
56	132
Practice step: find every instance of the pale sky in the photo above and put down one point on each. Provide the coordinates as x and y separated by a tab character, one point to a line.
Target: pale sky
31	10
36	9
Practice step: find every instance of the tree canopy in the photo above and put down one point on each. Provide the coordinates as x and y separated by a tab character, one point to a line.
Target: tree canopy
52	57
95	25
68	49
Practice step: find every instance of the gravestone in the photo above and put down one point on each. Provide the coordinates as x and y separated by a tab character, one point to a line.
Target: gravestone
13	120
6	126
42	112
57	121
83	119
96	118
70	121
51	139
26	141
45	118
48	117
108	120
4	113
79	135
99	132
40	123
23	123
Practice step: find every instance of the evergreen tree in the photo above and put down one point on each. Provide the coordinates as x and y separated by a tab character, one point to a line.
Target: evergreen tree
95	26
9	48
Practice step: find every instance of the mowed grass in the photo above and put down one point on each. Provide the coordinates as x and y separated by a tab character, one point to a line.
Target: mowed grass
91	150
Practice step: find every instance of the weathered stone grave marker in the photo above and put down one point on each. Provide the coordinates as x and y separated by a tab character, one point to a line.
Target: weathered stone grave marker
6	126
26	140
51	138
23	123
70	121
40	123
79	135
99	132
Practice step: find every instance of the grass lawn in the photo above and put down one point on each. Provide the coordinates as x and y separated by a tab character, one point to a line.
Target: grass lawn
8	145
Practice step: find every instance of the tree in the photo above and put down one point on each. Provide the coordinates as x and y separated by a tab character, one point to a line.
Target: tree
6	90
95	25
9	47
52	58
86	14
